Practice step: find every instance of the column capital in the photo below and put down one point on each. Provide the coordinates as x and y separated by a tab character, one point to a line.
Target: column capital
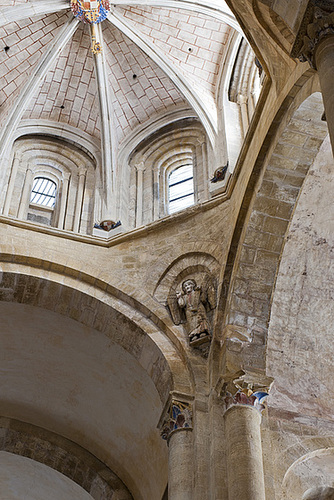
140	167
240	389
242	99
18	155
317	24
179	416
82	171
66	176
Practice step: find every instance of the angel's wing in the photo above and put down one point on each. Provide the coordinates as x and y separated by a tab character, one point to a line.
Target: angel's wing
209	293
175	310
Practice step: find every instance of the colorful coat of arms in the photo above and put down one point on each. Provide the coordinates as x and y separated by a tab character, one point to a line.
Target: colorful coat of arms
90	11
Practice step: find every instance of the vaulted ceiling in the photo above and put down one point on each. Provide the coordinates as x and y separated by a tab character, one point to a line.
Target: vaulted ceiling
157	58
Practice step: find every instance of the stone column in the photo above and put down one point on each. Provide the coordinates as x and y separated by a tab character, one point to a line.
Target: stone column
79	200
205	170
324	58
242	101
243	398
156	193
140	193
251	103
245	478
11	183
63	200
177	430
25	198
317	47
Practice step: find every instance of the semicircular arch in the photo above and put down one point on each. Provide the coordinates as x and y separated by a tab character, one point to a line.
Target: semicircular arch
102	305
62	455
269	202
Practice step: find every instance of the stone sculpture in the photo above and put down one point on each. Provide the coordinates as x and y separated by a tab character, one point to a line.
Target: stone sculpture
191	306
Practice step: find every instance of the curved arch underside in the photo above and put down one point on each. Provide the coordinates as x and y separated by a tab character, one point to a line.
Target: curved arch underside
44	450
80	383
300	324
91	353
277	190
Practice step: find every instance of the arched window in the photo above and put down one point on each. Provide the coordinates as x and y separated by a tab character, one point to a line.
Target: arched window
43	192
181	188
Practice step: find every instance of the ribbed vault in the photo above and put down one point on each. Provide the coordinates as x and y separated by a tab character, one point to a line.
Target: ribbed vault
156	58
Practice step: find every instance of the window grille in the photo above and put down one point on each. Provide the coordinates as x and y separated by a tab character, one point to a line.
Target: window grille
181	188
43	192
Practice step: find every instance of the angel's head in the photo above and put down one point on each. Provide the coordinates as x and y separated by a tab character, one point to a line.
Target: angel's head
188	286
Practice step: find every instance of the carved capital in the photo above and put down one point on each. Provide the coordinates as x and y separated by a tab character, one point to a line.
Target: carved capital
317	24
66	176
242	99
245	389
140	167
179	417
82	172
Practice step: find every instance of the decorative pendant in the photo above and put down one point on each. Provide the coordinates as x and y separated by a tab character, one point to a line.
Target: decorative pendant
90	11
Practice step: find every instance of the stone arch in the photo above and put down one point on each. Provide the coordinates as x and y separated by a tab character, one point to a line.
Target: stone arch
194	262
101	307
97	319
66	162
148	165
299	341
250	274
313	471
62	455
82	145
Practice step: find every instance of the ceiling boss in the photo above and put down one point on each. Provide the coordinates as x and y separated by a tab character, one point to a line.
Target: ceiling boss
90	11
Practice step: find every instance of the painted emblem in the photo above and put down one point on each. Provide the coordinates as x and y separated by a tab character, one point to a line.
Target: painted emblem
96	46
90	11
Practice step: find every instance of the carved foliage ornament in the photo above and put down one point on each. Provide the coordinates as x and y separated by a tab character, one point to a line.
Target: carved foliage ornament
179	417
318	23
242	392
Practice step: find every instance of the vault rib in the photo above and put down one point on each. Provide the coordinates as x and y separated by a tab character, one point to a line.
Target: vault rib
220	12
207	114
16	13
32	84
106	117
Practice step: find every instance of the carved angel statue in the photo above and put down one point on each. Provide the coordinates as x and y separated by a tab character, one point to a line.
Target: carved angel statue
191	306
